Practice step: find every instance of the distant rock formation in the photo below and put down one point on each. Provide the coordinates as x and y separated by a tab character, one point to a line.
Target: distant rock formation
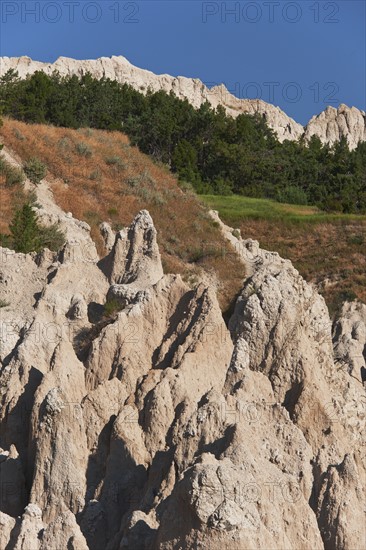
333	124
329	125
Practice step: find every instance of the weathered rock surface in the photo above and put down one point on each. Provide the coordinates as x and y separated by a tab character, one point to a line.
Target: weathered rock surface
329	126
333	124
157	426
349	334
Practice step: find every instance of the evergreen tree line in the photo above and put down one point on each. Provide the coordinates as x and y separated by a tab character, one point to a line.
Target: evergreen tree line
205	147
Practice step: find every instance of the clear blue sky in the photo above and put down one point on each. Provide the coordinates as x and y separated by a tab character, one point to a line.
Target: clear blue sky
305	54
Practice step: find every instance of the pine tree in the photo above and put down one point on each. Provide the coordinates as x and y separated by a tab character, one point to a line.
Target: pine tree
24	230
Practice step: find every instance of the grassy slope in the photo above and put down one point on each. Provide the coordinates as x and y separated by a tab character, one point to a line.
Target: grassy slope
110	181
328	249
115	181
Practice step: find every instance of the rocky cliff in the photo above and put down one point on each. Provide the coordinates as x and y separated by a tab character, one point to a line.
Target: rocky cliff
333	124
329	125
159	426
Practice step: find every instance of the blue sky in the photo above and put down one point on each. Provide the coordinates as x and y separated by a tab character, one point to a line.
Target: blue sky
299	55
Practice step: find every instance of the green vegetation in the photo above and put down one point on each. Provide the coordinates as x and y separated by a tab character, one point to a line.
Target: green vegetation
292	195
213	152
35	170
51	237
3	303
111	307
115	161
24	230
327	249
19	135
235	208
12	175
28	235
95	175
84	150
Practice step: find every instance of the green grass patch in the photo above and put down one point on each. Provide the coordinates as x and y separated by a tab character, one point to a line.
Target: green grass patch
235	208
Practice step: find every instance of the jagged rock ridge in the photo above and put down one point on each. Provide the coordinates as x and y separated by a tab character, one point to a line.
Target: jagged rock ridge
161	427
329	126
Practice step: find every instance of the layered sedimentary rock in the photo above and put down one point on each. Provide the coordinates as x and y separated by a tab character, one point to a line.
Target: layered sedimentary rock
158	426
329	126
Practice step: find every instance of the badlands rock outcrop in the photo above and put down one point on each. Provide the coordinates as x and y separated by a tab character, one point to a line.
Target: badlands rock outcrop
160	427
329	126
333	124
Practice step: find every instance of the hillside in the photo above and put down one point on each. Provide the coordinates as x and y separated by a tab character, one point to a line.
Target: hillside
214	152
330	125
327	249
99	177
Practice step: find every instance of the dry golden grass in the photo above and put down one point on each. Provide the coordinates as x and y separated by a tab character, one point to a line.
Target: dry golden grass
6	205
332	255
98	177
328	249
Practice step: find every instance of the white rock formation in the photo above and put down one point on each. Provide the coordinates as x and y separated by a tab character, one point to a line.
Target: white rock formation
333	124
158	427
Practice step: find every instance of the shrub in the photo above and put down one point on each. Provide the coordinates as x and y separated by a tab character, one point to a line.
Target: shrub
134	181
18	134
335	307
95	175
13	175
331	205
173	239
222	187
145	194
51	237
158	199
115	161
141	179
5	241
356	239
24	230
206	250
64	143
347	295
3	303
28	236
292	195
147	178
185	186
111	307
35	170
84	150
